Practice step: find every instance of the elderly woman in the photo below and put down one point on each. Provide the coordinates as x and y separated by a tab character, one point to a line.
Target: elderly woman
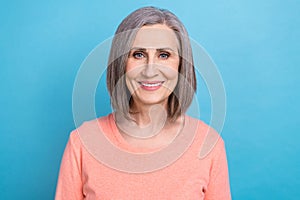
150	147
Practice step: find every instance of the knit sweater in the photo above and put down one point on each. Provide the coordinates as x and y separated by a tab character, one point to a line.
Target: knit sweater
91	169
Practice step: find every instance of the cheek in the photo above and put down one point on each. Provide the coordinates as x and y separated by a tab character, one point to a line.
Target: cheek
175	71
175	64
132	64
171	69
130	76
171	73
129	85
172	76
128	66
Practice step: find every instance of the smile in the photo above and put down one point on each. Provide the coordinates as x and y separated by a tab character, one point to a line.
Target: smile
151	85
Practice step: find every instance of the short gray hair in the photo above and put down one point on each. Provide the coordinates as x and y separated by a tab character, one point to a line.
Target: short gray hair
182	96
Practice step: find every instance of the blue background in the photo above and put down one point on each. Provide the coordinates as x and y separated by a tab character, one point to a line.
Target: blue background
255	45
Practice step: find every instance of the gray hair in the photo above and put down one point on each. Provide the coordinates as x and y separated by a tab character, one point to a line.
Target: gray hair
181	98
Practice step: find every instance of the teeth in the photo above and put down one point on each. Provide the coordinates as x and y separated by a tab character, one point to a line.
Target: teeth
151	84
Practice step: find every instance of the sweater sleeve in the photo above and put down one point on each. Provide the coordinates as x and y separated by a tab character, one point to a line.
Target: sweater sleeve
218	187
69	184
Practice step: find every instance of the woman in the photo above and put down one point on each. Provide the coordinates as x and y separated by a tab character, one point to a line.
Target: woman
153	146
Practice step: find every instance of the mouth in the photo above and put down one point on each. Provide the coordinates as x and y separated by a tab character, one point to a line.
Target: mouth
151	85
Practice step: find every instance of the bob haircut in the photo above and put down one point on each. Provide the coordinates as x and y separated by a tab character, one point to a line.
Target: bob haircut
182	96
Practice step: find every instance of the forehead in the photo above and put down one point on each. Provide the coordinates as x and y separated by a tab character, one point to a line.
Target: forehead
156	36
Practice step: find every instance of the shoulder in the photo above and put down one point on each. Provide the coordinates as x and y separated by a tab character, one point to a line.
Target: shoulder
93	125
88	129
209	140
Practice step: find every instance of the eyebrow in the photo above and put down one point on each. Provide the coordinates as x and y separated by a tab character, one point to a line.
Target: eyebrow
159	49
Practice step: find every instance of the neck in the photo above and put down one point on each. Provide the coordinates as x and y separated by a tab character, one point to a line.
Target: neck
146	115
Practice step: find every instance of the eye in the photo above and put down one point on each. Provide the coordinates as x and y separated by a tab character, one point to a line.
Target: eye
164	55
138	55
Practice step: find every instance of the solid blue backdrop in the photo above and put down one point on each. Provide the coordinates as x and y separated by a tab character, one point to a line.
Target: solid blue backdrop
255	45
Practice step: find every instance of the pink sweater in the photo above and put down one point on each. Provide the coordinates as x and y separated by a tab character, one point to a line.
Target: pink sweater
85	172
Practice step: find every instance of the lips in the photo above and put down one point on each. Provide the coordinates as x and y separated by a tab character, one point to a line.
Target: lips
151	85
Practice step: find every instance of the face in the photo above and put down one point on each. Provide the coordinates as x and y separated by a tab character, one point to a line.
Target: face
152	65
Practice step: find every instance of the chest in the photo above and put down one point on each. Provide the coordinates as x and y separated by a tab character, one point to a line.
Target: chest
181	180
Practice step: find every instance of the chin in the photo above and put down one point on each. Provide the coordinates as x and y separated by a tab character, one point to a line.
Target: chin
152	101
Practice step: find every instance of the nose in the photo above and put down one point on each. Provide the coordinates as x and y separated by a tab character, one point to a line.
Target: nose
150	68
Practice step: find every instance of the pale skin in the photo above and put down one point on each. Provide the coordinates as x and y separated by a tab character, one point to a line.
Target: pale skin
151	76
